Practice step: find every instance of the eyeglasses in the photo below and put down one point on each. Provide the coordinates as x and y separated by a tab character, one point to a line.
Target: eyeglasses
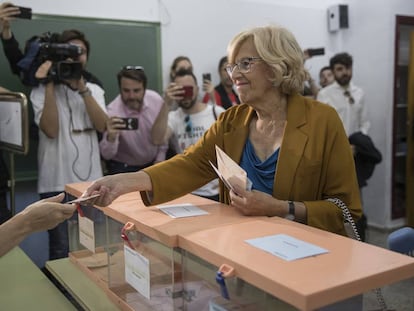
188	124
132	68
244	65
349	96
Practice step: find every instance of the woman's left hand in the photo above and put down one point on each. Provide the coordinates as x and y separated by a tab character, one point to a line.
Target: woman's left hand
254	203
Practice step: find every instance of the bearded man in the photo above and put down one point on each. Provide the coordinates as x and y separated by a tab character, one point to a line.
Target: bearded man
345	97
127	144
187	124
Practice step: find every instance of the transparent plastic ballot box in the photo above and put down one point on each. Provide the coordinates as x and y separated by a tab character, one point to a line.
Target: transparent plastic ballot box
90	234
106	263
94	215
144	274
154	237
262	280
88	240
94	227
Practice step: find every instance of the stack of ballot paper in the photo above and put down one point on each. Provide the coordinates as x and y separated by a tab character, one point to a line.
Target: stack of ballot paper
230	172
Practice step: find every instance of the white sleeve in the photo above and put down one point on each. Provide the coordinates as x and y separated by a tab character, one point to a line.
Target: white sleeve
98	94
364	123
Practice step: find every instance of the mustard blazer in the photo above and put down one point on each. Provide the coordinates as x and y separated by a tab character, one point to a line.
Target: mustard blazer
315	162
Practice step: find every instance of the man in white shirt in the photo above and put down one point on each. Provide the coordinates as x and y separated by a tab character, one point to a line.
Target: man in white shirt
69	112
345	97
187	124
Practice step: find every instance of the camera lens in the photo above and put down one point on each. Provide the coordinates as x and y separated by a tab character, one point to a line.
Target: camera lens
64	71
69	70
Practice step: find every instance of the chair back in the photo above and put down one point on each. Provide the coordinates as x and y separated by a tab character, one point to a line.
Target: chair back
402	241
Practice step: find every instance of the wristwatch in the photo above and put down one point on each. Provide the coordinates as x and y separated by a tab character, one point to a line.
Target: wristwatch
291	212
84	93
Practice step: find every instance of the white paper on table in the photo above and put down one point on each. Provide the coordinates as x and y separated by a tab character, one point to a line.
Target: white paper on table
286	247
182	210
231	171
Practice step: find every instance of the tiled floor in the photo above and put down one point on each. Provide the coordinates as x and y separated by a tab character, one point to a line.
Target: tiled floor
399	296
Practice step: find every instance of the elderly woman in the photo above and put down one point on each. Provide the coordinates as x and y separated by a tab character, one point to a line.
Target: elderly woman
294	149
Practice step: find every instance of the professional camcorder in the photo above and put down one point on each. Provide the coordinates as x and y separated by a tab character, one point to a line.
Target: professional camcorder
47	47
58	53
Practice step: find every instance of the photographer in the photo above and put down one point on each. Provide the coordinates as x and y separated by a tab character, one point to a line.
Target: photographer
127	144
15	56
69	112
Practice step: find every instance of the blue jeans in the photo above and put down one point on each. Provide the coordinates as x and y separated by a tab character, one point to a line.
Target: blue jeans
58	236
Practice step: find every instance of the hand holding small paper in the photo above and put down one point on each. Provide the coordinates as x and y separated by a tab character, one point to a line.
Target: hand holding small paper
230	171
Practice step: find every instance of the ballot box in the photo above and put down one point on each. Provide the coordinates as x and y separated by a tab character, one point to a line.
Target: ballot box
153	258
144	274
274	266
139	264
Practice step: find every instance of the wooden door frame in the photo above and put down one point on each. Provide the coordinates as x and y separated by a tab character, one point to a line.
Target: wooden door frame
401	20
409	199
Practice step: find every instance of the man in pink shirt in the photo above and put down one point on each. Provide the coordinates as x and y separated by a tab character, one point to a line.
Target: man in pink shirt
126	144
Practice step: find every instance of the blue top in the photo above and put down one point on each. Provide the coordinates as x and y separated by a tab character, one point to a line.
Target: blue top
261	174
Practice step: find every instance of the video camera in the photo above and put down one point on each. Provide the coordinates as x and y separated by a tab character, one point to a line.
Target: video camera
58	53
47	47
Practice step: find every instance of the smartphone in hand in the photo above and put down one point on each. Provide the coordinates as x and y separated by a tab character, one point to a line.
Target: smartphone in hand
317	51
206	76
25	13
130	123
188	92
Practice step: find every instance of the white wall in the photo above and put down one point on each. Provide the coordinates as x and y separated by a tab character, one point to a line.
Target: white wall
142	10
201	29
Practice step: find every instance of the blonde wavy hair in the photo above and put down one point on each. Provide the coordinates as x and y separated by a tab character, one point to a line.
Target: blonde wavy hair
279	49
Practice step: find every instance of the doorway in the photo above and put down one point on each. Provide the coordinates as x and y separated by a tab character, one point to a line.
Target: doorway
403	127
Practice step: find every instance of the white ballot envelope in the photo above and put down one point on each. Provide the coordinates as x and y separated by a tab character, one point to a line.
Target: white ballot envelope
230	172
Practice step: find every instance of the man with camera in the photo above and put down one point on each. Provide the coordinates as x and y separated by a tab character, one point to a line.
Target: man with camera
24	64
187	124
69	111
127	144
